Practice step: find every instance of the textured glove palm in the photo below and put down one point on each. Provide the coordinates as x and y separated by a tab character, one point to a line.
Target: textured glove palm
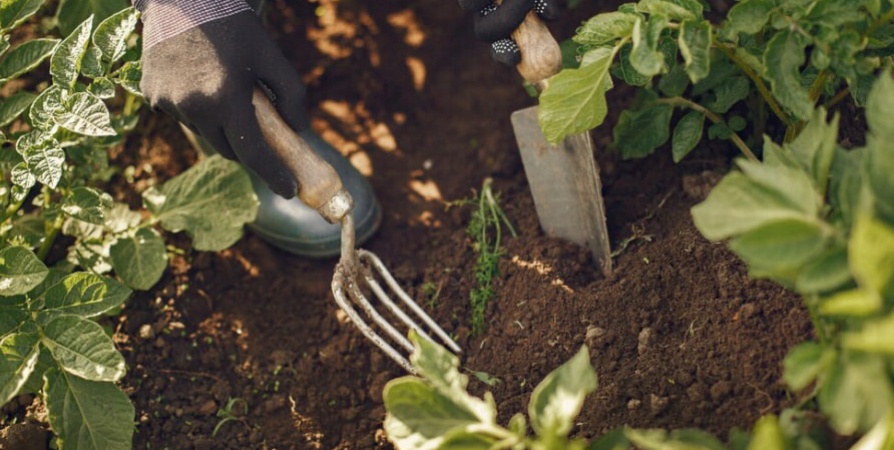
204	76
494	24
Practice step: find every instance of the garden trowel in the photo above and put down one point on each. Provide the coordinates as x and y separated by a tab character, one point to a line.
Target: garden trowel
564	177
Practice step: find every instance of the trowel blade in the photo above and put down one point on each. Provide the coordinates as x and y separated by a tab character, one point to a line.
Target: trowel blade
565	184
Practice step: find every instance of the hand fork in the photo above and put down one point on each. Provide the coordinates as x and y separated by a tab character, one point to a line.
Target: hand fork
320	187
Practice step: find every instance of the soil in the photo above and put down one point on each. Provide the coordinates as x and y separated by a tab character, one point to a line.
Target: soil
678	334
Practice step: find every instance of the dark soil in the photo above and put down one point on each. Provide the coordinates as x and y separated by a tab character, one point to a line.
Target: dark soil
679	335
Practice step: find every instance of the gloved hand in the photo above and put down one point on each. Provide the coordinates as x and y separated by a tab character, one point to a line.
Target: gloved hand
201	61
494	24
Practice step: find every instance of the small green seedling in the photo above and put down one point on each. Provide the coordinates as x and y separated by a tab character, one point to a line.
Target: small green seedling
228	413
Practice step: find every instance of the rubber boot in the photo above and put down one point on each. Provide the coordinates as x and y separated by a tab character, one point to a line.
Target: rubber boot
291	225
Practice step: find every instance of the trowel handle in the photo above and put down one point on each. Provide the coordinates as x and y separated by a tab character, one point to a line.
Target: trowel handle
541	56
319	185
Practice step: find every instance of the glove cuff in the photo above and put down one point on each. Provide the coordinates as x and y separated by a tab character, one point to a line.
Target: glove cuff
164	19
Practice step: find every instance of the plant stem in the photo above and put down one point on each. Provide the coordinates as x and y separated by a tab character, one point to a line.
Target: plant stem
837	98
812	303
758	82
816	88
49	239
680	101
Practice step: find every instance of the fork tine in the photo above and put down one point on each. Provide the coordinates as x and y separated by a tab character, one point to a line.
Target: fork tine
395	287
368	332
386	300
358	297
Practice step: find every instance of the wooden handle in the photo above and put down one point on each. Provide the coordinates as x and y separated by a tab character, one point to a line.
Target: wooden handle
318	183
541	56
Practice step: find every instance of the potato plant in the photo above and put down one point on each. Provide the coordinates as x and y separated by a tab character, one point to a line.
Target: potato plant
775	59
56	132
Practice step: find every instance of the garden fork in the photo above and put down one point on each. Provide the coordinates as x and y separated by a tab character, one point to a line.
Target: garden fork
320	187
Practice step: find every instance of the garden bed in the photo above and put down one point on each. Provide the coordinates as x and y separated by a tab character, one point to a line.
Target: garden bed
679	335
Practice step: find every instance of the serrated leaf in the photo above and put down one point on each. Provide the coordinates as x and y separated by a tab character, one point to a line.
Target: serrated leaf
211	202
65	64
605	28
639	133
747	16
86	114
856	393
141	259
695	46
88	415
557	400
26	57
671	9
14	12
779	246
111	35
574	102
18	357
45	163
85	294
804	363
645	57
91	65
20	271
82	348
14	106
87	205
782	60
687	134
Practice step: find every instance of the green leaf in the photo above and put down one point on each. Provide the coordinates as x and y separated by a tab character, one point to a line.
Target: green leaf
871	255
129	76
14	12
22	176
856	393
18	356
14	106
85	294
86	114
815	147
767	435
467	441
613	440
646	58
102	87
695	46
419	416
846	183
65	64
747	16
12	316
120	218
45	162
792	185
605	28
624	69
574	102
683	439
780	246
557	400
879	159
639	133
880	437
783	58
82	348
44	109
876	336
141	259
687	134
111	35
71	13
20	271
211	201
729	93
851	303
91	65
804	363
835	13
880	107
88	415
671	9
674	82
26	57
825	273
87	205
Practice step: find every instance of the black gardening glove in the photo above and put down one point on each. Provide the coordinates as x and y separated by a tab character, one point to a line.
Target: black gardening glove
494	24
204	76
